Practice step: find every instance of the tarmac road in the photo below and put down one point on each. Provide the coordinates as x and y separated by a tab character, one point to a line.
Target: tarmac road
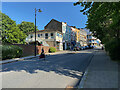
58	71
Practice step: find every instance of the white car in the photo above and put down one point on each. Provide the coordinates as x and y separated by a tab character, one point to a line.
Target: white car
82	47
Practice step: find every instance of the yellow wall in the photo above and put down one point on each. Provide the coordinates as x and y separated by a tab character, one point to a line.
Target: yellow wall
77	34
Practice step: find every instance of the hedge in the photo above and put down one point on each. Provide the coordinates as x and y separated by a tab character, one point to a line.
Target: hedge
11	51
113	47
52	50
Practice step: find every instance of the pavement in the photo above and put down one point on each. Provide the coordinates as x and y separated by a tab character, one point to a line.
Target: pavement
101	73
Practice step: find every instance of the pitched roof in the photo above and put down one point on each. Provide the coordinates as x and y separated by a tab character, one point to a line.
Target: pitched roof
51	21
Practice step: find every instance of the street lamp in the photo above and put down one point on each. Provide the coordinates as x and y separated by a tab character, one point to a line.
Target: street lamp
35	27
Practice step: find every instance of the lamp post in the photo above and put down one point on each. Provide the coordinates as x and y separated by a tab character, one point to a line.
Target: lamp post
35	27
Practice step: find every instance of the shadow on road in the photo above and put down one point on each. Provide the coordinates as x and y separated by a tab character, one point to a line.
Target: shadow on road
72	65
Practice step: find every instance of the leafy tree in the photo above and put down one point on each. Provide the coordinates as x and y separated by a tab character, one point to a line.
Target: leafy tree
103	17
27	27
10	32
15	36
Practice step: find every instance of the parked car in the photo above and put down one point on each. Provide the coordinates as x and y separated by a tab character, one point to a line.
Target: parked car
82	47
94	46
90	46
86	47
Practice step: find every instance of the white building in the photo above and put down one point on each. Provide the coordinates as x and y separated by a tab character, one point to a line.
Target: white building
52	38
66	30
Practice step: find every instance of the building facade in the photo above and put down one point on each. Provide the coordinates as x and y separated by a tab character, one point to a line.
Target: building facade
60	35
80	36
73	37
83	37
52	38
91	40
64	29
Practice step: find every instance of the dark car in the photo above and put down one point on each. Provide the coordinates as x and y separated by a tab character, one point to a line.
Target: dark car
86	47
90	47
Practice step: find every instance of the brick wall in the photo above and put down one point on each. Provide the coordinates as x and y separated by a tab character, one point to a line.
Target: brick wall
29	50
39	48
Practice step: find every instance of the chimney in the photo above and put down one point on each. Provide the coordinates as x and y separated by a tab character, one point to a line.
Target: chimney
74	26
65	22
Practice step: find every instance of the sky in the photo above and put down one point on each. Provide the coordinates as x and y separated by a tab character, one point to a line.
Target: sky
61	11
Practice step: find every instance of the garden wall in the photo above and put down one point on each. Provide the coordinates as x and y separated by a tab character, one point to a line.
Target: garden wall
29	49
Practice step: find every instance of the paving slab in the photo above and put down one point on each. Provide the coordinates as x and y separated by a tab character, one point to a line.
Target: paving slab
101	73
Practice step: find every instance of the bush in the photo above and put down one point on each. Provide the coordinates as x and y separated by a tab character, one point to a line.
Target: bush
113	47
68	48
10	51
52	50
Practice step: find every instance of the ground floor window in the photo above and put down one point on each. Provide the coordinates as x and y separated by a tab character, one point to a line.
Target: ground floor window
46	35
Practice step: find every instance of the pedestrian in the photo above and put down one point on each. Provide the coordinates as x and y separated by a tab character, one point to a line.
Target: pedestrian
42	55
102	48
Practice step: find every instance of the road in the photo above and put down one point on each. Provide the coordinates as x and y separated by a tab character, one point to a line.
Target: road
58	71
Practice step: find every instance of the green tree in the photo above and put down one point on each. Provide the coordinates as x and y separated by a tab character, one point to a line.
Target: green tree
15	36
10	32
27	27
103	17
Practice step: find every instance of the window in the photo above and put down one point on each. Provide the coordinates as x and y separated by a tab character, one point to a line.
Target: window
38	35
63	35
31	36
63	28
46	35
66	36
69	30
41	34
52	35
